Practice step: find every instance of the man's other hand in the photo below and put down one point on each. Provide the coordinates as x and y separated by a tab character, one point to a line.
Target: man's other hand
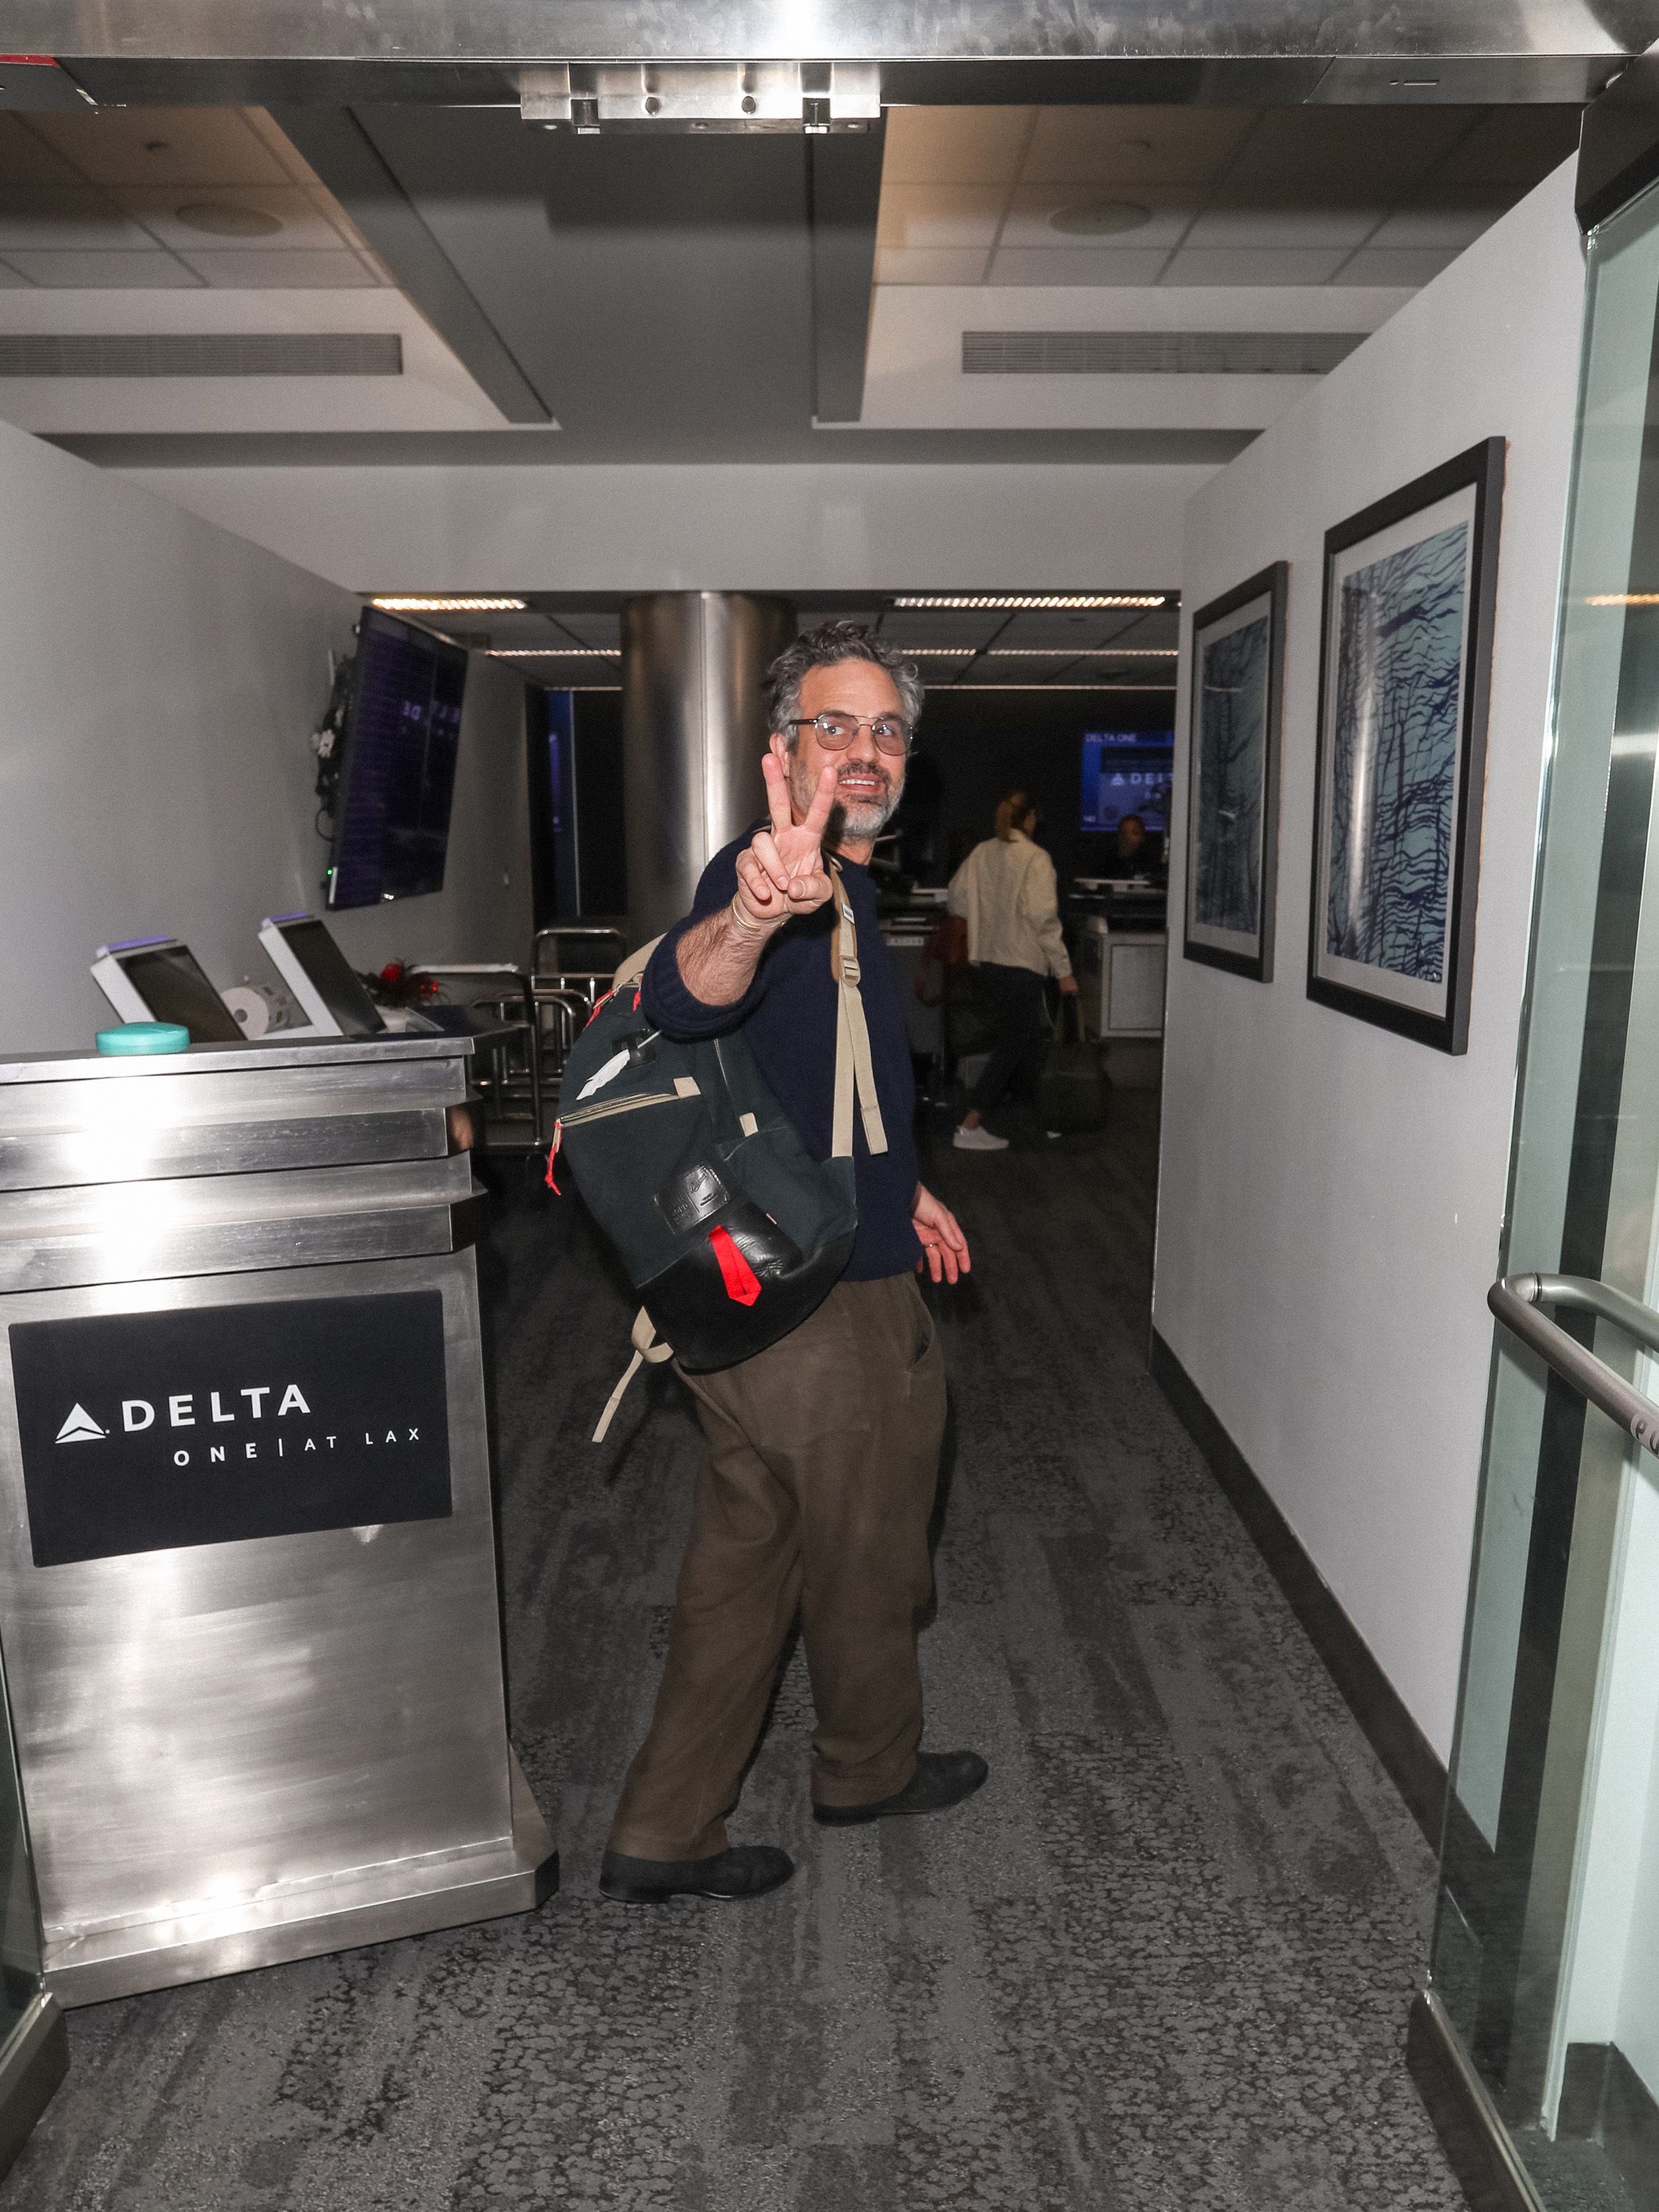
944	1247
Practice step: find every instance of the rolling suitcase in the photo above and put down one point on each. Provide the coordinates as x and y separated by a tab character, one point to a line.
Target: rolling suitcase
1071	1090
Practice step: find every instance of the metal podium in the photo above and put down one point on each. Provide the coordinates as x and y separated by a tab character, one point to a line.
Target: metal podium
248	1594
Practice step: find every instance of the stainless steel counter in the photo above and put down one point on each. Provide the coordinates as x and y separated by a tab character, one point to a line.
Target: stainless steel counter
247	1567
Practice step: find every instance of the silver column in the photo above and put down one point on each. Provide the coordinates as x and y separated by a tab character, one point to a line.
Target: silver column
694	728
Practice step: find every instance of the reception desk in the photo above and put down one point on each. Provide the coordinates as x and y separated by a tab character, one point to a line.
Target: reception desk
248	1591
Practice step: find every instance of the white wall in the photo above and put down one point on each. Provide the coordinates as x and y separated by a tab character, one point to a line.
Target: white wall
1332	1194
161	680
832	526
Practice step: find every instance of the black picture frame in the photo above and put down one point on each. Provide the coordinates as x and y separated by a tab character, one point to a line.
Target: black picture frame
1203	937
1384	676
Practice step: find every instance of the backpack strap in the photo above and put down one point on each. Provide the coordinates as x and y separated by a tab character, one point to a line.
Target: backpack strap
853	1061
647	1351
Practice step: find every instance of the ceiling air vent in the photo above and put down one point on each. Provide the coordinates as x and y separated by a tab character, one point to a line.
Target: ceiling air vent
1155	352
323	353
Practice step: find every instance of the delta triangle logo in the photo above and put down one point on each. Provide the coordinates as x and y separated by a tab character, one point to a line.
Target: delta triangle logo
80	1428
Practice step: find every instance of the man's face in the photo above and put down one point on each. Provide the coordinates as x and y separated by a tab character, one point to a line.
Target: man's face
871	781
1131	835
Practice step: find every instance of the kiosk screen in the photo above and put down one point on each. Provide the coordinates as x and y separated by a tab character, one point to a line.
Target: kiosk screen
331	975
171	984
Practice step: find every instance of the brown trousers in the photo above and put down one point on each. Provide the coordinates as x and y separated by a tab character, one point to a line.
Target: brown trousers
813	1494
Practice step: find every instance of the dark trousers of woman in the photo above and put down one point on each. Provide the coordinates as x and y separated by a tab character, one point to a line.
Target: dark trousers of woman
1015	995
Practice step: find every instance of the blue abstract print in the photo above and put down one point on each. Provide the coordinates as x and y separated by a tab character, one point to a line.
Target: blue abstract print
1394	758
1233	738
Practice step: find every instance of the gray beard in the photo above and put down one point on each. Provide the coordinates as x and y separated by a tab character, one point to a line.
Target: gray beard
862	820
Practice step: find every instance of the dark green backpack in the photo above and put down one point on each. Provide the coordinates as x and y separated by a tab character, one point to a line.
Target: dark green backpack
731	1231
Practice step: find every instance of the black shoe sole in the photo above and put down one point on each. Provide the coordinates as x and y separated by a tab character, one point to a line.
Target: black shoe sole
629	1893
855	1816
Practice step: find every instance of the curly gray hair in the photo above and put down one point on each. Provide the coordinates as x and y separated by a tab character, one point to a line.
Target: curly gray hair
822	647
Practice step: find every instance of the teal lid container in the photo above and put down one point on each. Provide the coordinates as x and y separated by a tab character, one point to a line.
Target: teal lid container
135	1037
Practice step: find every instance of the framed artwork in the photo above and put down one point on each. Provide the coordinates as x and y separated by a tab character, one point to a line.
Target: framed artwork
1410	584
1232	776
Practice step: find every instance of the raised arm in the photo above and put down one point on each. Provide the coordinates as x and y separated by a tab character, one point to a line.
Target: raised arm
781	874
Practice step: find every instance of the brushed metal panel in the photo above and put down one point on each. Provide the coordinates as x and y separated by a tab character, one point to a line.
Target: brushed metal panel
701	31
217	1059
202	1728
215	1247
36	1160
408	1898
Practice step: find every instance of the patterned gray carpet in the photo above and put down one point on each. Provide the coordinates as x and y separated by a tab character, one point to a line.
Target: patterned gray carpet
1161	1961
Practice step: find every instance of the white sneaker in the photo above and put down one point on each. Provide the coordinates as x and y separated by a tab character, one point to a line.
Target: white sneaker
978	1140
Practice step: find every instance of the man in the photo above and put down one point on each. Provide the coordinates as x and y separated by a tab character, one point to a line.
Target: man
1132	852
822	1453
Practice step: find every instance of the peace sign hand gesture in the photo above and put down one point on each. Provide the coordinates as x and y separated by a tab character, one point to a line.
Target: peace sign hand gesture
782	872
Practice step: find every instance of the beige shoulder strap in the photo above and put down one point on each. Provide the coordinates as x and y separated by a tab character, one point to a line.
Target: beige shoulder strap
647	1352
634	966
852	1062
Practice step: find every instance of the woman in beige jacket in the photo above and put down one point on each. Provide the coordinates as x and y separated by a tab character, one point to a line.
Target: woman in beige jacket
1004	891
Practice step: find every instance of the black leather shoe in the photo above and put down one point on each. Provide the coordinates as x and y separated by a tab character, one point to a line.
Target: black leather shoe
942	1778
749	1870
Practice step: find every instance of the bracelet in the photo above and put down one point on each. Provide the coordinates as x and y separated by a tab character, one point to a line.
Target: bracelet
753	928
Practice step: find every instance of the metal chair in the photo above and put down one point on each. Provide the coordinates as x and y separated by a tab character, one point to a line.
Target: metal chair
509	1068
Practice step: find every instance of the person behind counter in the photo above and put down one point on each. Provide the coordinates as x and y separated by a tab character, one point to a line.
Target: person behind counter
1005	892
1132	852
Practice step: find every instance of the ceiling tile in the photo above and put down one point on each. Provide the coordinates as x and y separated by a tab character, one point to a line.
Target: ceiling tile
1337	153
1134	145
162	146
953	145
181	218
268	272
894	265
1376	265
1516	146
1151	218
1304	229
1242	266
26	158
11	280
1082	265
106	272
932	218
1441	229
49	216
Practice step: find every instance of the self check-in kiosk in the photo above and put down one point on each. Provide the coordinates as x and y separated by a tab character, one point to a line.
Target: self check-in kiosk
247	1560
331	993
159	979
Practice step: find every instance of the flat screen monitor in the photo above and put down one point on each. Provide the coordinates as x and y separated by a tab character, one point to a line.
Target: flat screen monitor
398	769
305	955
168	979
1127	772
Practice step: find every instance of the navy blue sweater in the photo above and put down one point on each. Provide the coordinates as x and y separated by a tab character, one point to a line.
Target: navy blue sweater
787	1017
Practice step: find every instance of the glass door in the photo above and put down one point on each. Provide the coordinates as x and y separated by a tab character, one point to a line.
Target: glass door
1545	1981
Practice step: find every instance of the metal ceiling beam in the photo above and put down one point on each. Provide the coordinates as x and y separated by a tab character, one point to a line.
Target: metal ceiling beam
1184	49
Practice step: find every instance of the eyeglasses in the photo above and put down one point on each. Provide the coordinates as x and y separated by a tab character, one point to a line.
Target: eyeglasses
837	732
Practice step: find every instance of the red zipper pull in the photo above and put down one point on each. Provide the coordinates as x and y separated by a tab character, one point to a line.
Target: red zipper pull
558	1139
742	1283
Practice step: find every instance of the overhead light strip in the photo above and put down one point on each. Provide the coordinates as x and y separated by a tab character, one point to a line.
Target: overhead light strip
413	604
1031	602
554	653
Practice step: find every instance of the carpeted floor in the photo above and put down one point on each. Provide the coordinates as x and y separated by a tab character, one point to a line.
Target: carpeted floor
1163	1960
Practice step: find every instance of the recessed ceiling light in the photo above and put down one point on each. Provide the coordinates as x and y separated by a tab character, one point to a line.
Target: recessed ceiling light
413	604
1036	602
219	219
1100	218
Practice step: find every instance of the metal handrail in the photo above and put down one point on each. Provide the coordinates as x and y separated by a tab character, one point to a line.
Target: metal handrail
1516	1301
